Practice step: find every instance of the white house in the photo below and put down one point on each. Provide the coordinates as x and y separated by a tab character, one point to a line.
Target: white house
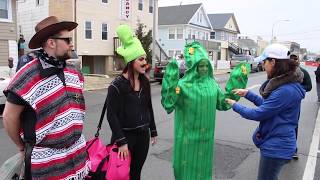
185	23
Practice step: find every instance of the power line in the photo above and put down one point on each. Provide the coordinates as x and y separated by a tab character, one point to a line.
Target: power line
286	34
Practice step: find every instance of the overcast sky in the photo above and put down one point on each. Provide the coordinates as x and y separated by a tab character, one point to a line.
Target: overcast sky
256	17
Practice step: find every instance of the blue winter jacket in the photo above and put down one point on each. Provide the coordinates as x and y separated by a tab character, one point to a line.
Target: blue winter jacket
278	115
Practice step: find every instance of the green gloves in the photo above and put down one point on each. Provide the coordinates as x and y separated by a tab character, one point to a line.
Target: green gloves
170	89
238	80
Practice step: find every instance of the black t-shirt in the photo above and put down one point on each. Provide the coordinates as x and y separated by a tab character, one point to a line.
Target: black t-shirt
28	116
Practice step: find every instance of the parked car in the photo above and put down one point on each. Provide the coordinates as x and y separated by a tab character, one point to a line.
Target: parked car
239	58
160	68
74	60
3	84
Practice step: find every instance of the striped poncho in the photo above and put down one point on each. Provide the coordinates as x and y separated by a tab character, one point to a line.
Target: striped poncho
59	152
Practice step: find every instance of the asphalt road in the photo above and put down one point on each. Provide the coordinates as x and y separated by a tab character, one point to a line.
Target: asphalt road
236	157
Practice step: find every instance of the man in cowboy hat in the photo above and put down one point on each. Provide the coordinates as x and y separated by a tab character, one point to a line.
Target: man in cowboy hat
44	112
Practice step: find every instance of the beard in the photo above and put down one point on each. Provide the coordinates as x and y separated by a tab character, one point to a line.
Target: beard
64	57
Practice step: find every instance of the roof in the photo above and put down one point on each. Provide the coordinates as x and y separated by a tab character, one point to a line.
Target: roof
182	14
219	21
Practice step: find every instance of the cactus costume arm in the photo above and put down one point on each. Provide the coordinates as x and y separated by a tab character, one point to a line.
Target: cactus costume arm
221	101
238	80
170	89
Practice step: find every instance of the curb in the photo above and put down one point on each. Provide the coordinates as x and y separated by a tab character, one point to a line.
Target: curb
97	75
310	168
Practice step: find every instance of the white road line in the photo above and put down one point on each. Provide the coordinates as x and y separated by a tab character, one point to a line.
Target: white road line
312	157
254	86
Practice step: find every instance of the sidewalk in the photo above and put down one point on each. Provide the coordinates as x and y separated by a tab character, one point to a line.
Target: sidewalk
99	81
96	81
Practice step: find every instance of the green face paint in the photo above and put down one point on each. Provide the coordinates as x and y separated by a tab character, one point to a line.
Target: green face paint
203	68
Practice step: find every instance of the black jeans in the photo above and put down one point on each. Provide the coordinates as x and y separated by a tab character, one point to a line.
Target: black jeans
138	144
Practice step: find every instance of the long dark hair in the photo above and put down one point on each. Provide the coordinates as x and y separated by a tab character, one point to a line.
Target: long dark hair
283	66
144	81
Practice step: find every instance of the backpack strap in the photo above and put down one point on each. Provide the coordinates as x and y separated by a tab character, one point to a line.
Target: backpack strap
29	140
115	85
101	118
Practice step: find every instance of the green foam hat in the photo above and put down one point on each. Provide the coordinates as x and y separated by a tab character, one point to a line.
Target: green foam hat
194	52
131	47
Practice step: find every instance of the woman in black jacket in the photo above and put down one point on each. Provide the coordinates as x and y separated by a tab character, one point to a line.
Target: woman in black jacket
129	107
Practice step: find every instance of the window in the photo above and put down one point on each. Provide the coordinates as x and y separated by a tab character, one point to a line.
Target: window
140	5
189	34
222	36
212	35
151	6
5	10
230	37
178	53
39	2
171	33
105	1
88	29
194	34
171	53
207	36
179	33
104	31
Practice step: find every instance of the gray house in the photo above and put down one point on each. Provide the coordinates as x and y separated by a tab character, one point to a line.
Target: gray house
225	28
185	23
249	46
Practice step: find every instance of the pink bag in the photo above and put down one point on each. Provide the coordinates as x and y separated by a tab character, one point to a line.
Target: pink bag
105	163
117	169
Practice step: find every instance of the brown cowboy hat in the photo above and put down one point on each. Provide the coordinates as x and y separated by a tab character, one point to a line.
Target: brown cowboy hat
48	27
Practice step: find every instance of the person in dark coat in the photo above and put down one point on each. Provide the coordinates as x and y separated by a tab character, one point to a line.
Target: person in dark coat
317	72
307	86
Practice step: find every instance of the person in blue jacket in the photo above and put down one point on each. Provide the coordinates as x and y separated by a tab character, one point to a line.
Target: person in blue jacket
277	110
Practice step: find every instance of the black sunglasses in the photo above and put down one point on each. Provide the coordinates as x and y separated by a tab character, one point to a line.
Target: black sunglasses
68	40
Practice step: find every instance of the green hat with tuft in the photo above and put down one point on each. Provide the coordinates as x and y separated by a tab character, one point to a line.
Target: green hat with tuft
194	52
131	47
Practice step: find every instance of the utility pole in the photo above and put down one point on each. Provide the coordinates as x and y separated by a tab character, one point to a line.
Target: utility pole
155	3
273	25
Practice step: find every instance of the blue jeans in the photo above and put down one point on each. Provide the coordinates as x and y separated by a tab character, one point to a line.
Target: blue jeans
269	168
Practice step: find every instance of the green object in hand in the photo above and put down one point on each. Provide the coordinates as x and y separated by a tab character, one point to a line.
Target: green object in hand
238	80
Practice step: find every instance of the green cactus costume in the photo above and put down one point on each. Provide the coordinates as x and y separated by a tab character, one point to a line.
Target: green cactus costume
194	98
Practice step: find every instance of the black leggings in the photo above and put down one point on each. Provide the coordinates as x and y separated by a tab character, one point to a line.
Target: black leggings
138	144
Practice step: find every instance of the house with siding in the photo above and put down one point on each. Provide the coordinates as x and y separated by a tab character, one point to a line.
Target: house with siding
180	24
8	33
225	28
95	39
249	46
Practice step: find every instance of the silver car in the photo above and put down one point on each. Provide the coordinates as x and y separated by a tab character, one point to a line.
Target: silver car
239	58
